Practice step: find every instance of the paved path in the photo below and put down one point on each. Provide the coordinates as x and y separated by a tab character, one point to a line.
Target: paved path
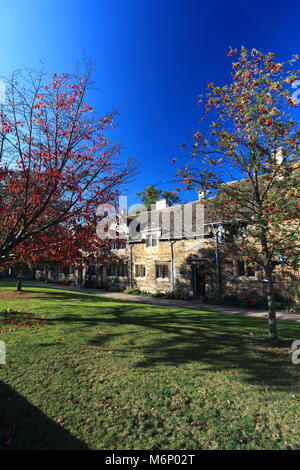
190	304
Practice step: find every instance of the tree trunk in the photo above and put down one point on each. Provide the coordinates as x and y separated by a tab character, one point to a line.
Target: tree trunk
269	287
20	280
271	304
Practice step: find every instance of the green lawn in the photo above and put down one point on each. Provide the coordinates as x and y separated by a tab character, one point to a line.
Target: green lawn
88	372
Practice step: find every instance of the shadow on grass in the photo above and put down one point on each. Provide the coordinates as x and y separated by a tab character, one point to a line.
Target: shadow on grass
25	427
173	336
216	342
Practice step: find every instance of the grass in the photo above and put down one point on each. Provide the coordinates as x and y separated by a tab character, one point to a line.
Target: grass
85	372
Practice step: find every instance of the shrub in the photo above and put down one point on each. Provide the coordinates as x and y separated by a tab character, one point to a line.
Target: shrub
132	290
115	289
283	302
231	300
145	293
64	282
158	294
89	283
170	295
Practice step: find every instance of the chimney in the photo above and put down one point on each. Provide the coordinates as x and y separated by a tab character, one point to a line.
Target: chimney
279	156
162	204
201	195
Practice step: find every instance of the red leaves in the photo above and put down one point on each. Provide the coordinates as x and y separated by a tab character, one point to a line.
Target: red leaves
62	169
250	120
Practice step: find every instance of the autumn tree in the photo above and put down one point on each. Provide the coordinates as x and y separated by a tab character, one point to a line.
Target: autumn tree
62	245
151	194
249	134
57	164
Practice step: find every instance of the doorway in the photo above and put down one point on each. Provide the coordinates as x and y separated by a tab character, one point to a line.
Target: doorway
199	281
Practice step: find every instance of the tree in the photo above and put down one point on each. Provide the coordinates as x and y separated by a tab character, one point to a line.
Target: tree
252	136
62	246
56	163
151	194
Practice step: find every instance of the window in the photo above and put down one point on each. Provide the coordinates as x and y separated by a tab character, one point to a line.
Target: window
123	270
152	239
250	271
244	269
109	270
162	270
117	270
65	270
241	268
140	270
91	270
118	245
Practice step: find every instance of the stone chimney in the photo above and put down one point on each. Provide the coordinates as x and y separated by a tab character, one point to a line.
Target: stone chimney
279	156
162	204
201	195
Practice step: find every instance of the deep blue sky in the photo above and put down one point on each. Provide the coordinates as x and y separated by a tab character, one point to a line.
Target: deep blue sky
154	58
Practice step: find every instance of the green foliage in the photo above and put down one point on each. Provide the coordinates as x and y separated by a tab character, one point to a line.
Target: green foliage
282	302
253	136
158	294
151	194
89	282
132	290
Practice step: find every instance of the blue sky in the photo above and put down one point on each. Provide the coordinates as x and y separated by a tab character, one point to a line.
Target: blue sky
154	58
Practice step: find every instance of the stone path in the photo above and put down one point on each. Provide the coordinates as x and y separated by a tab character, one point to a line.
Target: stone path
189	304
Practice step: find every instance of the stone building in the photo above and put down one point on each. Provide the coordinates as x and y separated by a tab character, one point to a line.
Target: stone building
181	250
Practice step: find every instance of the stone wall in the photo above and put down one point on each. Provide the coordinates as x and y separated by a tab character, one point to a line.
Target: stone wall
188	255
